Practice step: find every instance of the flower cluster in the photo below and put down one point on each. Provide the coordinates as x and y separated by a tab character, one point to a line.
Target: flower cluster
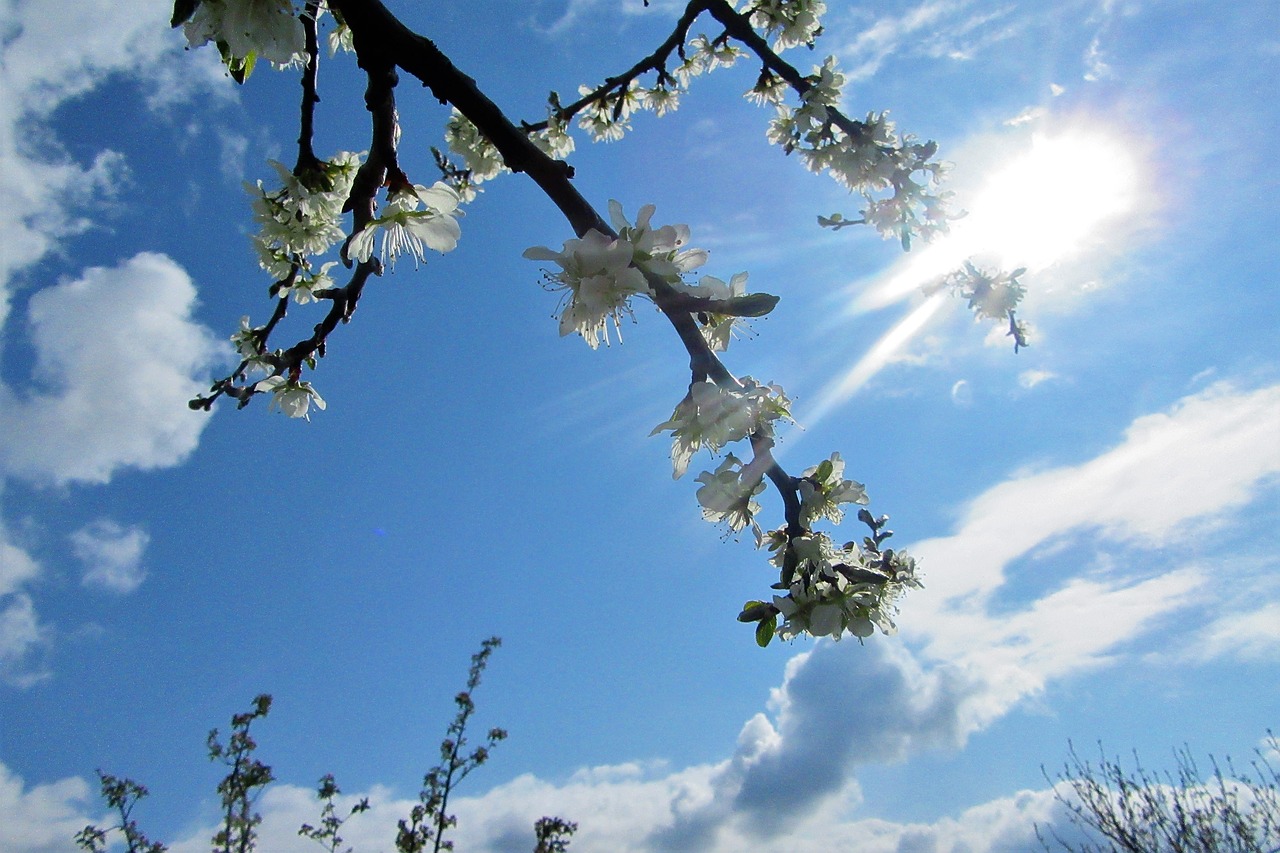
836	590
480	156
867	157
790	23
991	295
416	218
830	590
554	139
248	30
303	217
600	274
711	416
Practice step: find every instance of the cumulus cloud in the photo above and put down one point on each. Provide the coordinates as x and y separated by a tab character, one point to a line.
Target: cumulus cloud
42	818
117	356
112	555
117	351
1031	378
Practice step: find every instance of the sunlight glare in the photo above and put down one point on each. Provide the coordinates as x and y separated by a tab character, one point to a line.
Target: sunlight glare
1042	207
1045	205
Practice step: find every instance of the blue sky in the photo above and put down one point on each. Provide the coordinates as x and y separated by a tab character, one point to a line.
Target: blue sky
1096	515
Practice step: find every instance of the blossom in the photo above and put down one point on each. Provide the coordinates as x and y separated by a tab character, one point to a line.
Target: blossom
717	329
554	140
790	22
246	340
710	416
303	216
305	286
727	494
831	591
250	29
407	228
596	273
608	117
482	158
658	250
291	396
823	489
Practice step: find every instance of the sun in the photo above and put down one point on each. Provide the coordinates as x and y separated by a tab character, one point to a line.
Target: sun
1046	204
1062	195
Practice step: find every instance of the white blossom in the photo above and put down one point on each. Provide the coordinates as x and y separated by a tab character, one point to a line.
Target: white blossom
481	156
823	489
302	217
416	218
245	340
261	29
790	22
599	281
659	250
294	397
728	493
710	417
717	329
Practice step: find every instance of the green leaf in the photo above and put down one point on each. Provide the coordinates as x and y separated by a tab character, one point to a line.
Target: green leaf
239	68
182	11
824	471
751	305
765	630
753	611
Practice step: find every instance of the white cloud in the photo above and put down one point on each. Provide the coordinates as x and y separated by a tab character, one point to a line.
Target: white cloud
43	818
16	565
117	353
619	815
112	555
1031	378
117	356
22	639
1254	635
938	29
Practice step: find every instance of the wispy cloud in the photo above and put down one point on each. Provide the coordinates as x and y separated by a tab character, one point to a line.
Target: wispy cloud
940	29
111	554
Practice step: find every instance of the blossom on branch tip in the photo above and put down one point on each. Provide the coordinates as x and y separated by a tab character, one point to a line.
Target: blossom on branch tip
711	417
599	281
294	397
831	590
416	218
